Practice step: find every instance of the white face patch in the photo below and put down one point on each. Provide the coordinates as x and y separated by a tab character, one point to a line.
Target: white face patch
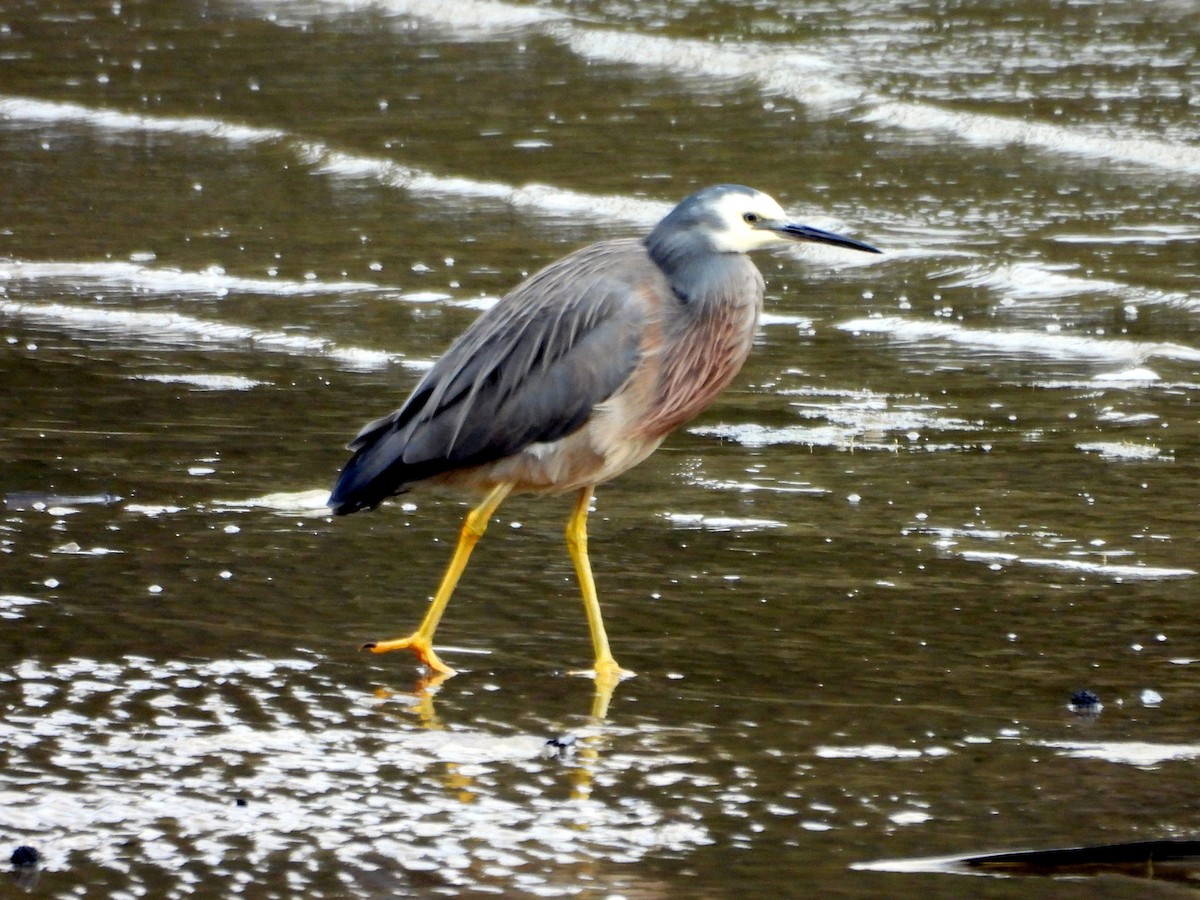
741	216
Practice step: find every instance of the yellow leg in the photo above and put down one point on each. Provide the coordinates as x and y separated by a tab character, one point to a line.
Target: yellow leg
420	641
608	673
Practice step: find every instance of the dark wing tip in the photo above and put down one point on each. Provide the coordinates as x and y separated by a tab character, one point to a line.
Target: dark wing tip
352	492
345	508
348	505
365	482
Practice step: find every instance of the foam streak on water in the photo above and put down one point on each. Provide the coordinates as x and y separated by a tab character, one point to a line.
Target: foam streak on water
177	329
311	502
1029	547
1022	343
721	523
803	75
470	18
204	382
31	111
536	198
1081	143
162	280
1039	281
1131	753
853	420
1083	566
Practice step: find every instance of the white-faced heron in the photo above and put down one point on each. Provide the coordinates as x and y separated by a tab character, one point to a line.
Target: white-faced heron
577	375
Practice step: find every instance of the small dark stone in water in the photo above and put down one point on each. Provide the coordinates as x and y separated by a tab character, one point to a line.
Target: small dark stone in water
241	801
560	746
24	856
1085	702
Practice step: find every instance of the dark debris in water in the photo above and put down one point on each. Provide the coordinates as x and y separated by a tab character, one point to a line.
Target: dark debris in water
1085	703
24	856
561	746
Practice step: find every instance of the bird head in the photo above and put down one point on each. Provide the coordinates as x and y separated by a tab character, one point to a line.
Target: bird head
731	218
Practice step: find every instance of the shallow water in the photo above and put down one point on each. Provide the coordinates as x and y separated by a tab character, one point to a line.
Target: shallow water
953	485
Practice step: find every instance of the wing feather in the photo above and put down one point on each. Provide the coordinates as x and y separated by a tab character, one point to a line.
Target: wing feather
529	370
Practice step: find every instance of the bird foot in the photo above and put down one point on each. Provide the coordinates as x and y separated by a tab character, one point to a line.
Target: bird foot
606	672
419	645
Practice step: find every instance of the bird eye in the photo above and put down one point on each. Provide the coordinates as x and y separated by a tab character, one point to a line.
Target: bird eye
750	218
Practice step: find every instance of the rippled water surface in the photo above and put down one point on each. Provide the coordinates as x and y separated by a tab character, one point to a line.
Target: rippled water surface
954	484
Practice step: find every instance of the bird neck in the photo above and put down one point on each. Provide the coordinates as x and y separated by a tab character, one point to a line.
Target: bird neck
693	269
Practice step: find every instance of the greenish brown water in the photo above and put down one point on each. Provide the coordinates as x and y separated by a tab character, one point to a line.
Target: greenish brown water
953	485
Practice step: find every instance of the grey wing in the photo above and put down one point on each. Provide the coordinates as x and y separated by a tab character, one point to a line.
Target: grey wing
531	369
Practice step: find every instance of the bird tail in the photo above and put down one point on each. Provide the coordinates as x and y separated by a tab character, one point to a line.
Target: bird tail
348	494
376	471
364	483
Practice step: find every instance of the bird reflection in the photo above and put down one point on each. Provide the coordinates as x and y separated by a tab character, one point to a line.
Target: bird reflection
580	749
421	695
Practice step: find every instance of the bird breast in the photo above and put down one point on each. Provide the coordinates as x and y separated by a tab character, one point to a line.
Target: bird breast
695	349
690	353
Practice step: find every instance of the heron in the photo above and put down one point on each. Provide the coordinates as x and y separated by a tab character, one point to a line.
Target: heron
575	376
